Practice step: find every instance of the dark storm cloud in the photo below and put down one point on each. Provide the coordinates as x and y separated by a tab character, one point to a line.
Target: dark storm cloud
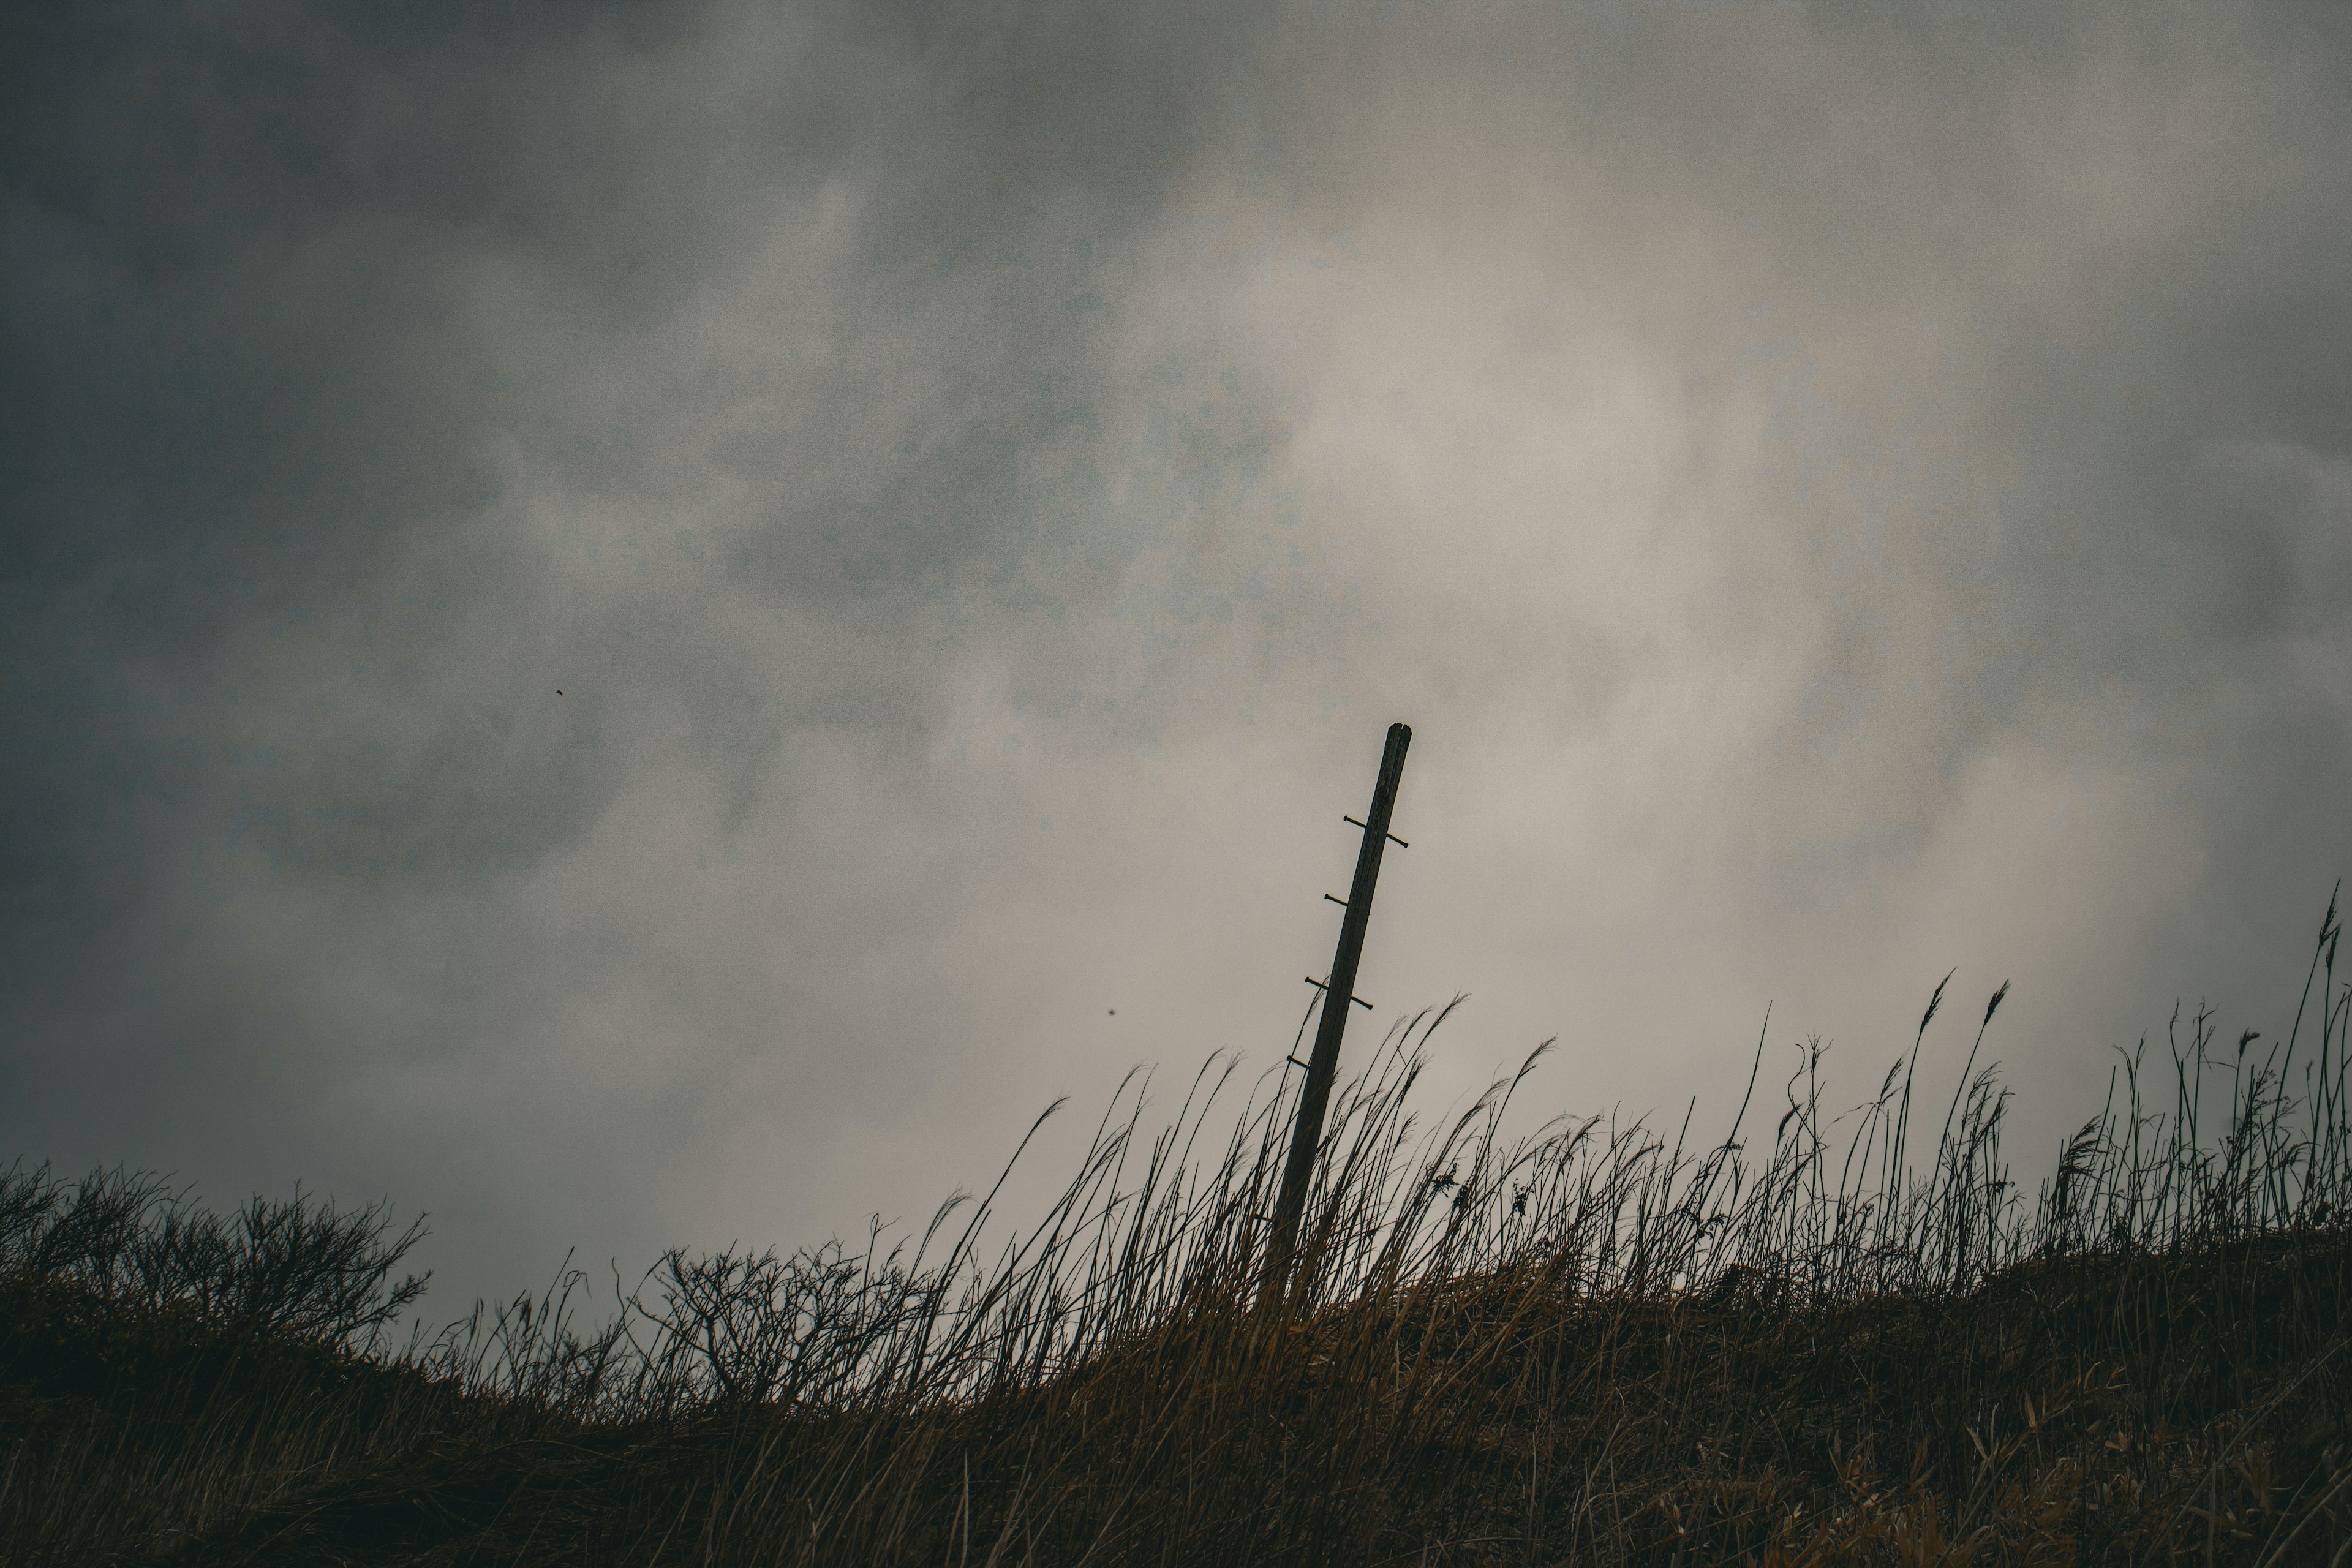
1842	490
296	302
283	289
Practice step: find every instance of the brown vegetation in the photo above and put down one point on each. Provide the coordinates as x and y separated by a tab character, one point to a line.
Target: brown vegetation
1583	1345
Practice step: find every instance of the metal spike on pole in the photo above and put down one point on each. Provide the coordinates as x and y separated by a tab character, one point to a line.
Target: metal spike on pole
1322	1066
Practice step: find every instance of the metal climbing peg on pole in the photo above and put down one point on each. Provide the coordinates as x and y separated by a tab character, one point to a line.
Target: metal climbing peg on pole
1323	1064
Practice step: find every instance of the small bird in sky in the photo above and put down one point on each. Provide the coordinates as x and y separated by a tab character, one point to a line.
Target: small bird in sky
1114	1012
559	692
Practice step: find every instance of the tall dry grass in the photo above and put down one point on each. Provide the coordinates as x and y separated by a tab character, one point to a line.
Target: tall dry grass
1815	1340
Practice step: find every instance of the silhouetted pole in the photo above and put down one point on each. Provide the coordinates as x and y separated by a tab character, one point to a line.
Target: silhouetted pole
1340	989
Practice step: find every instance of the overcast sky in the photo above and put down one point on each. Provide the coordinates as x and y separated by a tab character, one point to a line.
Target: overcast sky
630	624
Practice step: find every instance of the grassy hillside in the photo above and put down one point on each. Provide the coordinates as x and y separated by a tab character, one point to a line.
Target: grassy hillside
1849	1340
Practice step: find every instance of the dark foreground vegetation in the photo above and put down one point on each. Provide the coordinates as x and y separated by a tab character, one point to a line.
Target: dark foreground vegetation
1819	1342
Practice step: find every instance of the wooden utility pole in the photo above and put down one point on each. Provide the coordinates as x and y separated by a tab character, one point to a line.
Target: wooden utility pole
1337	993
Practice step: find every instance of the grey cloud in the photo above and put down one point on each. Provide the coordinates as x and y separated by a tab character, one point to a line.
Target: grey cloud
1841	490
